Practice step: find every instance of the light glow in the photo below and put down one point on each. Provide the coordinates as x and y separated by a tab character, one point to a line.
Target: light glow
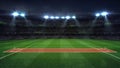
57	17
52	17
104	13
68	17
46	17
15	14
62	17
22	14
74	17
97	14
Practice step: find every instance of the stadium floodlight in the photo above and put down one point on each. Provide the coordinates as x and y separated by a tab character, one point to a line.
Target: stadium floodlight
97	14
74	17
68	17
57	17
22	14
104	13
62	17
52	17
15	14
46	17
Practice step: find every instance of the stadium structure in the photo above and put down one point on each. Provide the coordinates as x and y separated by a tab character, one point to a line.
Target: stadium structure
80	40
103	25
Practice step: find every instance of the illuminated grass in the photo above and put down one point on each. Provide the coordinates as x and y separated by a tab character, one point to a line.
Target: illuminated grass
60	60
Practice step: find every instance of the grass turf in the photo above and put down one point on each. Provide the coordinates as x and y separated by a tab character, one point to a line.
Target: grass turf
60	60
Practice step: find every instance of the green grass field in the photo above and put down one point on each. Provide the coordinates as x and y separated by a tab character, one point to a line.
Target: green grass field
59	60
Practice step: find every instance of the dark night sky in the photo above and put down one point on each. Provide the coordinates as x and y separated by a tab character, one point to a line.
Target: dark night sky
60	6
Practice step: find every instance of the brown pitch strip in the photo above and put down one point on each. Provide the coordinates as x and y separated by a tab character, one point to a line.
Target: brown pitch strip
60	50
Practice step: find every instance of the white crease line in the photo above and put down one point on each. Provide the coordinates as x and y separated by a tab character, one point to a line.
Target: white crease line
111	55
107	53
102	52
6	56
12	53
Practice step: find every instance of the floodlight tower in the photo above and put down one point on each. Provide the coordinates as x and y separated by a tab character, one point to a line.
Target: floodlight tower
105	14
13	23
95	20
14	14
107	22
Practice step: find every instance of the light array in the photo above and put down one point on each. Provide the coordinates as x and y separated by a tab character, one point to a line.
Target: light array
101	14
59	17
22	14
15	14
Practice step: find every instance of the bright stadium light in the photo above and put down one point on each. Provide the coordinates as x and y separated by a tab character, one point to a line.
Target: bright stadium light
62	17
74	17
46	17
22	14
104	13
97	14
15	14
57	17
52	17
68	17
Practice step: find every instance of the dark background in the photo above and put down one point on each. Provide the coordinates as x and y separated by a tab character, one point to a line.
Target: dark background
60	6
